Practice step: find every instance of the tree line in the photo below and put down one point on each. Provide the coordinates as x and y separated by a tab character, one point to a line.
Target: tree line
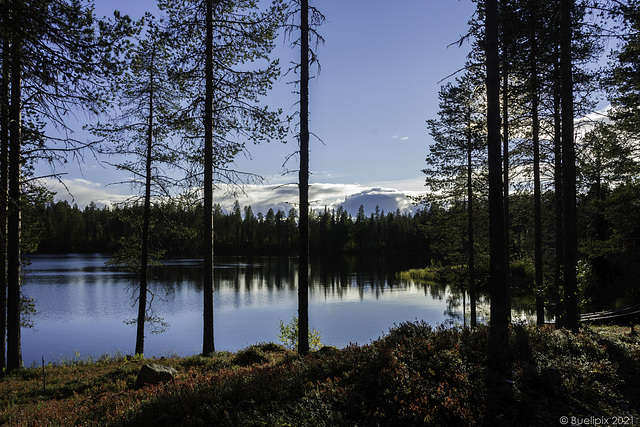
175	230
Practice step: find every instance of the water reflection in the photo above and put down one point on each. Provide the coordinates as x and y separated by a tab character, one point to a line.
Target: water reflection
81	303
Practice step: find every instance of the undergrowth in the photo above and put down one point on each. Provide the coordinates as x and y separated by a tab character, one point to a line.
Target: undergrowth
415	375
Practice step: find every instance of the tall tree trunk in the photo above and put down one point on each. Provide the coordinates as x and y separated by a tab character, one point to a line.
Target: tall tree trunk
14	350
472	270
568	170
207	244
144	255
4	178
505	139
303	251
557	179
500	306
537	208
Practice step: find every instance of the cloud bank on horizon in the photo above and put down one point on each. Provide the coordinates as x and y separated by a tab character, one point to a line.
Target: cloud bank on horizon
261	198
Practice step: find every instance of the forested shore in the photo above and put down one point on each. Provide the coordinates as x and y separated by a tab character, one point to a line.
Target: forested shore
58	227
608	235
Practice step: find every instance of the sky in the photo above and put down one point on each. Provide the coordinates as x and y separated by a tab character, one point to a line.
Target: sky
380	70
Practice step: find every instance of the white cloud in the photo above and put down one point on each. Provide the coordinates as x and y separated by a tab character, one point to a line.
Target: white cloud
325	195
411	186
82	192
263	197
387	199
404	138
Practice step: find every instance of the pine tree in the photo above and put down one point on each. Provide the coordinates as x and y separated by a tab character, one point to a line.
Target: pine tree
57	55
623	79
569	212
4	177
500	304
455	157
148	99
309	19
217	42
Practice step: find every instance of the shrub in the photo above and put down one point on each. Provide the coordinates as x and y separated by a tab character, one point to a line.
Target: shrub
251	356
288	335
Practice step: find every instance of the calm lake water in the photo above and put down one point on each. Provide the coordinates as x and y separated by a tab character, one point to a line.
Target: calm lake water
82	304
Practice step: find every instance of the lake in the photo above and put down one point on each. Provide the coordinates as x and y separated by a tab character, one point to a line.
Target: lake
82	304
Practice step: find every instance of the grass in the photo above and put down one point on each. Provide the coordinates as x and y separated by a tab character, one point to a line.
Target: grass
415	375
436	273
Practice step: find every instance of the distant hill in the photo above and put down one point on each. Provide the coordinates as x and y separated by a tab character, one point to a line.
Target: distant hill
387	199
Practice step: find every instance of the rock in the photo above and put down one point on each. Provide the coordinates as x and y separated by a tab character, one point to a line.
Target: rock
152	373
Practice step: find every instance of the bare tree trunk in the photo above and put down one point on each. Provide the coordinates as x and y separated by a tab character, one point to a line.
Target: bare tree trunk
559	225
568	170
207	244
505	141
144	255
303	271
472	270
500	306
4	179
14	350
537	208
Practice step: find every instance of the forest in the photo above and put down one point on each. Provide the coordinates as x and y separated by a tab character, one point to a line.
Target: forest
57	227
528	182
520	122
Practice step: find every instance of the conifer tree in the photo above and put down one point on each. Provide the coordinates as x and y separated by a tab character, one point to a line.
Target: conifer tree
303	185
569	212
500	304
223	49
57	55
623	79
309	19
4	170
454	158
148	97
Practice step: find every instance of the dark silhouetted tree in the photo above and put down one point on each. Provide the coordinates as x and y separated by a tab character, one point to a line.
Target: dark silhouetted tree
500	304
455	157
222	51
309	19
147	97
623	79
569	212
4	177
57	56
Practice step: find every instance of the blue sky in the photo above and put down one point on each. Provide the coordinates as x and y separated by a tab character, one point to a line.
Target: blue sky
381	64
